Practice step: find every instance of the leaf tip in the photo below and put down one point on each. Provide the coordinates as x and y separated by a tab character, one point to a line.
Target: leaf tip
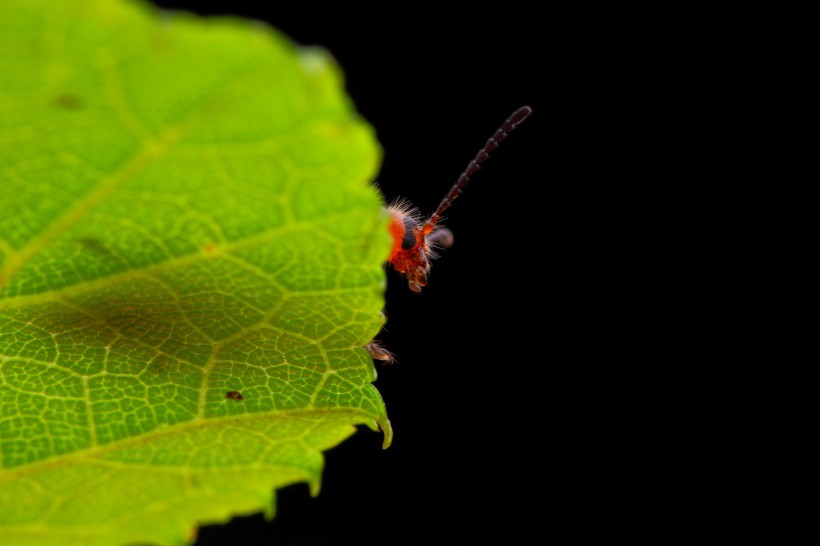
387	430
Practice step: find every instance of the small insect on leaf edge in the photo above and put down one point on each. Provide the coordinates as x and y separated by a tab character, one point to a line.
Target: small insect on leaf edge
415	239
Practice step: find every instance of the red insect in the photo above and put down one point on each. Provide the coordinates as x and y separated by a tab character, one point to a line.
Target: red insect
414	239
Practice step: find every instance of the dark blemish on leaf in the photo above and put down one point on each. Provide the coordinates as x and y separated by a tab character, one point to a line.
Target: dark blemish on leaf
209	248
67	101
95	245
235	395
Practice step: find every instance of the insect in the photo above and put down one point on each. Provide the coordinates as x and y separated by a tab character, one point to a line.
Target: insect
415	240
235	395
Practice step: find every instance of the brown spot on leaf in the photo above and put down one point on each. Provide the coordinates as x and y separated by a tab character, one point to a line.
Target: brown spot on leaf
235	395
67	101
94	245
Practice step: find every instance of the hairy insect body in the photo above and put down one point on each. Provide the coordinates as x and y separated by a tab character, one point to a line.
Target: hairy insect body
411	253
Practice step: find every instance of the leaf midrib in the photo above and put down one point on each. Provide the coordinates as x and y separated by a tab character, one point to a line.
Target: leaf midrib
217	250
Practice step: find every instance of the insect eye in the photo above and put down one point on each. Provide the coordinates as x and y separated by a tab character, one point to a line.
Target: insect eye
409	239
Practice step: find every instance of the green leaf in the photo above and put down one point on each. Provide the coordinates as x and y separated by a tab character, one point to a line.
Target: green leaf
191	259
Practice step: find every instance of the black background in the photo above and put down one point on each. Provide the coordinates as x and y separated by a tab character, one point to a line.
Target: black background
545	390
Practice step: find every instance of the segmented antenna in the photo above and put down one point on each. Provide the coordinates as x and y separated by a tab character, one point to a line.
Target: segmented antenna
492	143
